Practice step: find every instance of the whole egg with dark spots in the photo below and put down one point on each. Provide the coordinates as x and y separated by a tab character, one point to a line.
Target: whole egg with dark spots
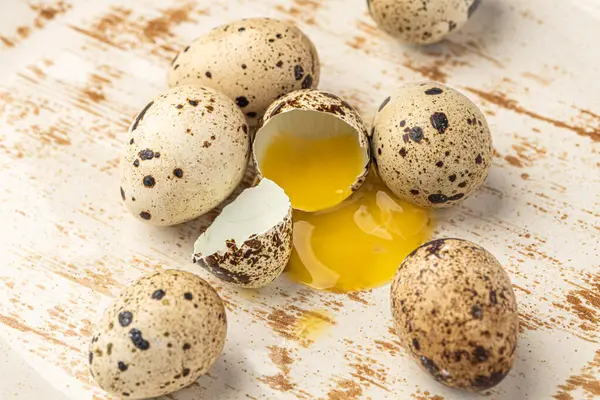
186	152
455	312
253	61
161	334
431	144
421	21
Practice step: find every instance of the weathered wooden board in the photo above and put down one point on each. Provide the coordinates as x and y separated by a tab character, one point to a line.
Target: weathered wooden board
74	72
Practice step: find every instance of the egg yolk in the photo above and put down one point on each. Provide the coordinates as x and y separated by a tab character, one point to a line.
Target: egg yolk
316	173
358	244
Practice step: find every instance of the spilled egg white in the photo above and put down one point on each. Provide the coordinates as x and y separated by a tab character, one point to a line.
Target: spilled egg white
250	242
313	114
253	61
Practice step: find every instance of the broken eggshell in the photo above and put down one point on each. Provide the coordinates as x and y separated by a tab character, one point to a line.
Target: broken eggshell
312	113
250	242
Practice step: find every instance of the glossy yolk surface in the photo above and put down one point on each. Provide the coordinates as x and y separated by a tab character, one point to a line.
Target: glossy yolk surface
358	244
316	173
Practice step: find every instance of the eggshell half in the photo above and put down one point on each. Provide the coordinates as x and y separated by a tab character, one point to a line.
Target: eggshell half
313	113
250	242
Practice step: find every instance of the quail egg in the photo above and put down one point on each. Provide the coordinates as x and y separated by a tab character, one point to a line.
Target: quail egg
431	144
186	152
421	21
161	334
455	312
254	61
250	242
315	146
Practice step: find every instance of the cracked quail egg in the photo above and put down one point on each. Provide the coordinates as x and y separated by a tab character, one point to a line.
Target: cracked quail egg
161	334
431	144
187	151
315	146
455	312
250	242
254	61
421	21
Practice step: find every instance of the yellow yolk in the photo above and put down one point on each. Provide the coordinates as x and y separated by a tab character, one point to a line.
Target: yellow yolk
312	324
358	244
316	173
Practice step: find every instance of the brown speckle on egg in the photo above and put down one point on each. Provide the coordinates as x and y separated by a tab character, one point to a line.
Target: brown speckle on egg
125	318
140	116
439	121
298	72
241	101
146	154
446	319
307	82
383	104
149	181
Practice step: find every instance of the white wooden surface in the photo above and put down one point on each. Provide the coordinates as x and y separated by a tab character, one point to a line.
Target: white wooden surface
72	75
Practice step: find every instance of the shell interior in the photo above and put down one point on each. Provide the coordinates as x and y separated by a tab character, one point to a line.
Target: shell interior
315	174
254	212
305	123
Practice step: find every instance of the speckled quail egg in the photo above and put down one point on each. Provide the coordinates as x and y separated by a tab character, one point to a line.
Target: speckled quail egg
250	242
455	312
253	61
315	146
186	152
432	145
161	334
421	21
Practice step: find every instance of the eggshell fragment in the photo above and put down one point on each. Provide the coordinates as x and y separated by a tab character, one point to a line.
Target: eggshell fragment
253	61
431	144
250	242
186	152
455	312
161	334
421	21
312	113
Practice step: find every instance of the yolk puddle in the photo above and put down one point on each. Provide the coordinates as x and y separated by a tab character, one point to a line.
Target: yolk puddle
316	173
358	244
313	324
